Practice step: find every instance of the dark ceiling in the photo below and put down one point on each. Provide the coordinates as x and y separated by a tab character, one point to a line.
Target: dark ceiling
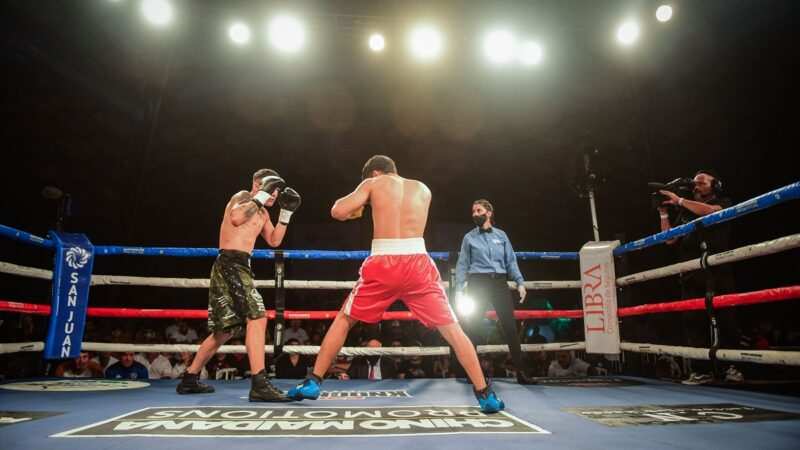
151	131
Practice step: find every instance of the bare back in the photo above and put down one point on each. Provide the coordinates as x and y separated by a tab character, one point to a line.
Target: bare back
243	237
399	207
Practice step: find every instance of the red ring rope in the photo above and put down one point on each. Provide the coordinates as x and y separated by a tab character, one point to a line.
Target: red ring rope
697	304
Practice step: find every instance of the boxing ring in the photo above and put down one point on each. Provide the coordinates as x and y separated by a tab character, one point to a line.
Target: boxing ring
609	411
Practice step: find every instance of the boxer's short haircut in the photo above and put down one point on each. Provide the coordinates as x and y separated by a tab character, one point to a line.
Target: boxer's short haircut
261	173
380	163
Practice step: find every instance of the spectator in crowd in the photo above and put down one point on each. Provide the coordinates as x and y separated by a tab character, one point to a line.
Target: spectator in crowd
181	333
567	364
373	367
339	368
292	365
316	339
413	367
186	361
296	332
535	337
487	365
239	361
442	368
218	362
538	364
157	365
80	367
127	368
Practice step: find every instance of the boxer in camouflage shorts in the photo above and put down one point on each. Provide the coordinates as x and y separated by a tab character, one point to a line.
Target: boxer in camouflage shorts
234	305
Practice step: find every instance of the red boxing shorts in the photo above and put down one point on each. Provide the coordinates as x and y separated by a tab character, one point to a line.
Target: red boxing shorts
399	269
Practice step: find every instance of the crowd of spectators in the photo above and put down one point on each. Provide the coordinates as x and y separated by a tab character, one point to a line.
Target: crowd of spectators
169	365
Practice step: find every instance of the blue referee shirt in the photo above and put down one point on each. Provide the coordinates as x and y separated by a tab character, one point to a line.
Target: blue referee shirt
486	251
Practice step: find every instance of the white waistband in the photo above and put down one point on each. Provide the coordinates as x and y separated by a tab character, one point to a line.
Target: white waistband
410	246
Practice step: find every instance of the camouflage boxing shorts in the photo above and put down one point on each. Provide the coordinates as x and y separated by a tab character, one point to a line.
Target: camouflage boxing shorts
232	294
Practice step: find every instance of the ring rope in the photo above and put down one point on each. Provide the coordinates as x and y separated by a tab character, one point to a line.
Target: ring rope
721	301
122	280
739	254
788	358
764	201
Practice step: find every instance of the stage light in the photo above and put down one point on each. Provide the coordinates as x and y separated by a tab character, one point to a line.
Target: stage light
287	34
376	42
664	13
499	46
465	304
530	53
628	33
157	12
425	42
239	33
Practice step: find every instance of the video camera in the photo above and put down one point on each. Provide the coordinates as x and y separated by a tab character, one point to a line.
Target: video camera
683	187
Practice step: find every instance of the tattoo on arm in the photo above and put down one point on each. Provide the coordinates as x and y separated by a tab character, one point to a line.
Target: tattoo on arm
251	208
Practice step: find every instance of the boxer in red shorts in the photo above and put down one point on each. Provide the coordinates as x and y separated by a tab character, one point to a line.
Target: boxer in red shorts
398	268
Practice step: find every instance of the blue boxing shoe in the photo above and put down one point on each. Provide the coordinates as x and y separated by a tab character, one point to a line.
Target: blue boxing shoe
308	389
488	400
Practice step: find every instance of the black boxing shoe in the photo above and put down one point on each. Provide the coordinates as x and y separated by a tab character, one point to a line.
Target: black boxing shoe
190	384
261	390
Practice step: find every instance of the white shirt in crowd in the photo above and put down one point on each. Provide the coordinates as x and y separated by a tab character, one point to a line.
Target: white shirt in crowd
159	368
300	335
577	368
376	370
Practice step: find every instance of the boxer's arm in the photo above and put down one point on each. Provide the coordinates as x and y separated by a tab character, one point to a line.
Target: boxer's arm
352	205
243	208
273	234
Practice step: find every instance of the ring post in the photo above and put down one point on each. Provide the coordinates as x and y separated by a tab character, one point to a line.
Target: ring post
702	233
72	275
280	306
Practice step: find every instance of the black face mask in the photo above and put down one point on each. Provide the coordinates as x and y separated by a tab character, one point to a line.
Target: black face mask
479	220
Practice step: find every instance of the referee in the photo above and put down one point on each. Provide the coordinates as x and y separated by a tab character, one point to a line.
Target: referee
485	263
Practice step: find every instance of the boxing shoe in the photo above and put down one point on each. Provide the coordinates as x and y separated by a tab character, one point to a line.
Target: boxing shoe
308	389
261	390
488	400
190	384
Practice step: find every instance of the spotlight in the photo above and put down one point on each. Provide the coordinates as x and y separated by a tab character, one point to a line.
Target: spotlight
664	13
628	33
464	304
499	46
530	54
287	34
239	33
376	42
425	42
157	12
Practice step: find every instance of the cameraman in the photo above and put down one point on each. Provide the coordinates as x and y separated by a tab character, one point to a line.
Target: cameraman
707	198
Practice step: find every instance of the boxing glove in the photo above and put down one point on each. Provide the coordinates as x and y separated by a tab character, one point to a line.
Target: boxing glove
289	200
268	185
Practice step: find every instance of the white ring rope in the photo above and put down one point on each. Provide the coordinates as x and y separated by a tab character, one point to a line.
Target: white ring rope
301	349
788	358
738	254
121	280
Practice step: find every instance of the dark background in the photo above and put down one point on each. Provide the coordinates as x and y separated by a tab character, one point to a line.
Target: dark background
152	130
